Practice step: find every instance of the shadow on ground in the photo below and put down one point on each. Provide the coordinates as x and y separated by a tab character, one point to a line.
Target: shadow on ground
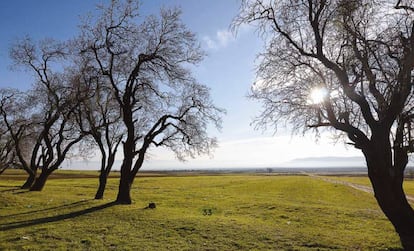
65	206
27	223
13	189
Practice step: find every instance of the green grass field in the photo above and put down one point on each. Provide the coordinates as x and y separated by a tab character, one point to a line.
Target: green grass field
248	212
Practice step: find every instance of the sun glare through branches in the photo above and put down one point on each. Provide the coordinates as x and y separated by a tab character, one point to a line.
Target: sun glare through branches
317	95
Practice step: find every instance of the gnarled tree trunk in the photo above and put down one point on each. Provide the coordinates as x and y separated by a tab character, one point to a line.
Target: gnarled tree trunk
391	198
386	172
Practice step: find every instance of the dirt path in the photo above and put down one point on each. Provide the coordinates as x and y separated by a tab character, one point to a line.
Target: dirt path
359	187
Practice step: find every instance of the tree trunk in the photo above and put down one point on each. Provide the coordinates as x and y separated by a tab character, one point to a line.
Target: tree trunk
125	182
386	172
391	198
124	192
2	169
102	184
29	181
106	168
40	181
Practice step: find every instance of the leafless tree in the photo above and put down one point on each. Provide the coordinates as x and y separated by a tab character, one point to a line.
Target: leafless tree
99	117
7	153
147	63
53	102
345	65
15	110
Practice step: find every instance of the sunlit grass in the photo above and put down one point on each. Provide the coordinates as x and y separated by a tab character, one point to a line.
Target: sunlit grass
248	212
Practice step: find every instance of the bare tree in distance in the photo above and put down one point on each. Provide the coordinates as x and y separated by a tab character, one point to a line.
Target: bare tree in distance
7	155
15	110
344	65
17	133
147	62
54	99
7	149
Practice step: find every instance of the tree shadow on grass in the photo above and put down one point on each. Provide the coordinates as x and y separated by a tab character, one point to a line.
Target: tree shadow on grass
21	190
28	223
13	189
66	206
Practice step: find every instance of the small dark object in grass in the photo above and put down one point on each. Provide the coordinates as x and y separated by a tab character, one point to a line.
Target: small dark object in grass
86	242
151	205
207	211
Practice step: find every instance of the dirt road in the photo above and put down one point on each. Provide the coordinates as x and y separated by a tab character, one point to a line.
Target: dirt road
363	188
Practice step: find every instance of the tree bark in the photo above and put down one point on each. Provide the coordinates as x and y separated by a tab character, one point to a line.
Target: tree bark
125	182
2	169
29	181
106	168
124	196
387	182
124	192
102	184
40	181
391	198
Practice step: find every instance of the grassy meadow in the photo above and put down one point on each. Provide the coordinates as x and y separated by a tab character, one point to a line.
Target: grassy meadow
248	212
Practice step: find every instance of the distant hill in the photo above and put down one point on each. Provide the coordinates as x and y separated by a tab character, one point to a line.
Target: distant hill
327	161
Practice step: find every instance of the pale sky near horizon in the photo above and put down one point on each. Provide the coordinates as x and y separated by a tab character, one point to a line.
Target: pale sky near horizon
228	70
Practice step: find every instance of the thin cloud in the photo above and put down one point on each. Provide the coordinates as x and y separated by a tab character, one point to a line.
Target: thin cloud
221	39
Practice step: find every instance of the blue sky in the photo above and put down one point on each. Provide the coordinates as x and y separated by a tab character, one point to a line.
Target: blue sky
228	70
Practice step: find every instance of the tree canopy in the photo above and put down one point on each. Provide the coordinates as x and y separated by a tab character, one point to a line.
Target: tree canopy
123	80
345	65
147	68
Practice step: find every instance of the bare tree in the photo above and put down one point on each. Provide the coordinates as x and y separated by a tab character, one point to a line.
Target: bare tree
345	65
100	117
54	101
7	153
15	110
147	65
16	131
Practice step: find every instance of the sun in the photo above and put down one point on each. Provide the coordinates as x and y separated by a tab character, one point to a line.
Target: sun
318	95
